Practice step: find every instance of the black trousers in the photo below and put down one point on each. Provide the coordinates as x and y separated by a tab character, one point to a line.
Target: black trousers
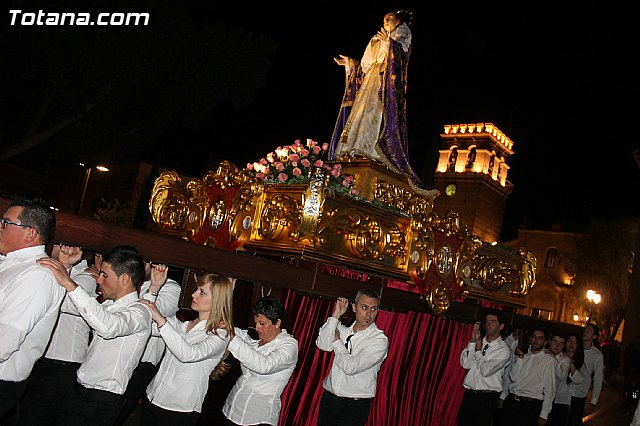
152	415
83	406
520	412
47	386
477	408
10	393
559	415
576	410
136	389
339	411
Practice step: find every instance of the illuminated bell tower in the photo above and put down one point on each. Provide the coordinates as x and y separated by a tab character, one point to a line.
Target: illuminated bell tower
472	177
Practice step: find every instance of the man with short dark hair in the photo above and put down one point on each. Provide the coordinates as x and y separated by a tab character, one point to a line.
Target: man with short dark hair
30	297
121	327
592	372
533	385
359	351
485	359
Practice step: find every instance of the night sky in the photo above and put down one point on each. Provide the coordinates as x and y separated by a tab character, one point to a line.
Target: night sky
557	80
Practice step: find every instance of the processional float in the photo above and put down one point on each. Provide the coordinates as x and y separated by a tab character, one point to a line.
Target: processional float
356	214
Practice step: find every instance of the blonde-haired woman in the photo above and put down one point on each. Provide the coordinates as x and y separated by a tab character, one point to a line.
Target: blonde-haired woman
194	348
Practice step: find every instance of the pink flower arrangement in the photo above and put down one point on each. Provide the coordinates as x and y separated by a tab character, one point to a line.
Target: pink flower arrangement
293	164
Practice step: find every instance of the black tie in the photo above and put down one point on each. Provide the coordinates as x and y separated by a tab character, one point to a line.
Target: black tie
484	350
348	343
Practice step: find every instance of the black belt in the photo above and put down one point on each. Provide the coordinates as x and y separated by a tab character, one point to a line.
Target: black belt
346	397
59	362
523	398
476	391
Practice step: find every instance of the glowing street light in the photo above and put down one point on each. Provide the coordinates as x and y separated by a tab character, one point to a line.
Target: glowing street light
87	174
594	299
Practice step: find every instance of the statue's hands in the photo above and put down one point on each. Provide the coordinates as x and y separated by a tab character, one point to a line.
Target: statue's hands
382	34
342	60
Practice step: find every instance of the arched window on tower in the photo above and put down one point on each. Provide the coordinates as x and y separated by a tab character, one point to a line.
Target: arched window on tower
453	157
471	158
491	163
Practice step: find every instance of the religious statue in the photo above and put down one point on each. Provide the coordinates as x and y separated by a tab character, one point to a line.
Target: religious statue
372	120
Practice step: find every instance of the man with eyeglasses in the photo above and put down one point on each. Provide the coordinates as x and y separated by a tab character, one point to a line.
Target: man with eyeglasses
533	387
486	359
359	350
30	296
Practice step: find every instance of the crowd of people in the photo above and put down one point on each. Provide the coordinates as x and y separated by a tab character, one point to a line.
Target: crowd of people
543	382
84	343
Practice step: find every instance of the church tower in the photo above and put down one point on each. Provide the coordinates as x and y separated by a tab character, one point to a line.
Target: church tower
472	176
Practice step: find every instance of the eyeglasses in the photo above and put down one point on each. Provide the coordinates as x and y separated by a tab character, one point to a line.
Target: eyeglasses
484	350
4	222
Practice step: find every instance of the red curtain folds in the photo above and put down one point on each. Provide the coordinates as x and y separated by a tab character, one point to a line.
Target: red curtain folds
420	382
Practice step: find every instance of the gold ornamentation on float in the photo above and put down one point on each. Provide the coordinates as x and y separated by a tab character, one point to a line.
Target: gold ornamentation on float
230	208
439	299
279	218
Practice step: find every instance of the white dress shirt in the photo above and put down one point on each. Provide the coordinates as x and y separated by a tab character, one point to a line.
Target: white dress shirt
266	370
636	417
70	339
121	330
593	363
182	380
167	303
30	299
485	369
355	374
512	343
534	376
564	389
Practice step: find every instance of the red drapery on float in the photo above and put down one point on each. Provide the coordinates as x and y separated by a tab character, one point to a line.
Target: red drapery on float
420	382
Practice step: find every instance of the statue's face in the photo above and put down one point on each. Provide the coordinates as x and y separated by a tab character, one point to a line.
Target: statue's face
390	22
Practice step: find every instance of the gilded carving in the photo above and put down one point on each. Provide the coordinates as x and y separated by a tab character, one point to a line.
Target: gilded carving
280	214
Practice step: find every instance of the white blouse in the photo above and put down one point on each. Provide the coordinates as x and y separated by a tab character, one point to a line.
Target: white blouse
266	370
182	380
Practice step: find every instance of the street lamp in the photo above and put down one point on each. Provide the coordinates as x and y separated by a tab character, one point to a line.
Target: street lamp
594	298
87	174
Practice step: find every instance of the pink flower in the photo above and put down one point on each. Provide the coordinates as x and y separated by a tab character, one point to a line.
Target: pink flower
249	166
316	149
282	177
260	176
319	163
294	163
263	161
346	183
335	172
349	178
337	167
297	171
304	152
325	146
354	191
311	142
297	142
279	166
270	157
294	158
305	163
